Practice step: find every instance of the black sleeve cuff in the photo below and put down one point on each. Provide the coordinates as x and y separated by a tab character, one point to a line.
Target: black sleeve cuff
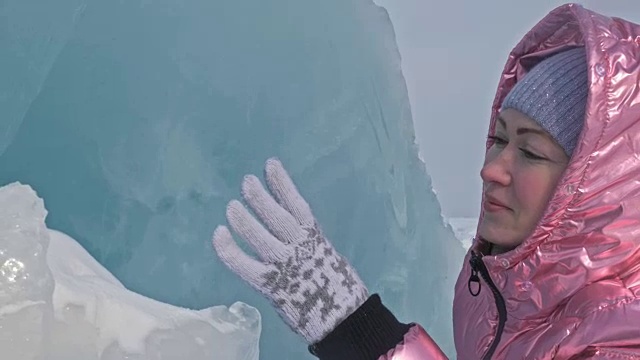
368	333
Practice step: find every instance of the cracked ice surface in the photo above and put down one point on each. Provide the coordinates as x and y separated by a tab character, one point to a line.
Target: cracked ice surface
136	121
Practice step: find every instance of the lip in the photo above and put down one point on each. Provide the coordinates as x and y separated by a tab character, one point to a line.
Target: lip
491	204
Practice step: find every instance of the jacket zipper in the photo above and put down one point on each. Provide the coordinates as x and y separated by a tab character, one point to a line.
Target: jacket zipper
477	266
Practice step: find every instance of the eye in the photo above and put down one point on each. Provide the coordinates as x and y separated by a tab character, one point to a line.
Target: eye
497	141
530	155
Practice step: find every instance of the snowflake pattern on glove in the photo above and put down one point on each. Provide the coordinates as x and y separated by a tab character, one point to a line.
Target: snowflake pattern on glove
310	284
309	281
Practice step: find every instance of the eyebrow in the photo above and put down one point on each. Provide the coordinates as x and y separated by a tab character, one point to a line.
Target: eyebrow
521	131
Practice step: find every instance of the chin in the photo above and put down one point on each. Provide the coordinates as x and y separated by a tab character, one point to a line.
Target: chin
499	236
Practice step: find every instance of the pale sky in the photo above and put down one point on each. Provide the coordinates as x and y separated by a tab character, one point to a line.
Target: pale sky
452	55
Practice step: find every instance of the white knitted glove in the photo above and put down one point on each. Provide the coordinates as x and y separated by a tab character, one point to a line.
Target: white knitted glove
312	287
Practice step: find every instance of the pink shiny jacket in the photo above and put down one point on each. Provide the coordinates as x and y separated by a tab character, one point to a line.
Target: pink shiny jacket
571	290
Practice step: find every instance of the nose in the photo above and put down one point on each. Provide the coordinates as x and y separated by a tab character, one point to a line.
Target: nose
496	169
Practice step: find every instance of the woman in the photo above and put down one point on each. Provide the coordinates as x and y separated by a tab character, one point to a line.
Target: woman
554	271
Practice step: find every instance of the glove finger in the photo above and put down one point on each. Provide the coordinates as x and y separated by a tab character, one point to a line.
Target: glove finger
286	193
278	220
248	268
263	242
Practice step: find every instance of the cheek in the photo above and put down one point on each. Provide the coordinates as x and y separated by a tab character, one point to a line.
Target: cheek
533	191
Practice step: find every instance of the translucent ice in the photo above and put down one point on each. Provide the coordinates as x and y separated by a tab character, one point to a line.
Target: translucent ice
66	306
142	117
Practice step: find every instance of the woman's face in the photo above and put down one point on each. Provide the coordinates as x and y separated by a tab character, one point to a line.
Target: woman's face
520	173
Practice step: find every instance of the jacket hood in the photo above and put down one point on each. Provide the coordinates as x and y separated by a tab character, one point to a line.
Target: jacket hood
591	228
584	255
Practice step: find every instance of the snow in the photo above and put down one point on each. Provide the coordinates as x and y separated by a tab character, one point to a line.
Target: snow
57	302
464	229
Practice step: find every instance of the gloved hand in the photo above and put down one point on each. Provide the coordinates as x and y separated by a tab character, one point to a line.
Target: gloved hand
312	287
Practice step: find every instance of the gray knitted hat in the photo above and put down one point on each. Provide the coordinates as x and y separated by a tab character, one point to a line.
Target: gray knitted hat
554	94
